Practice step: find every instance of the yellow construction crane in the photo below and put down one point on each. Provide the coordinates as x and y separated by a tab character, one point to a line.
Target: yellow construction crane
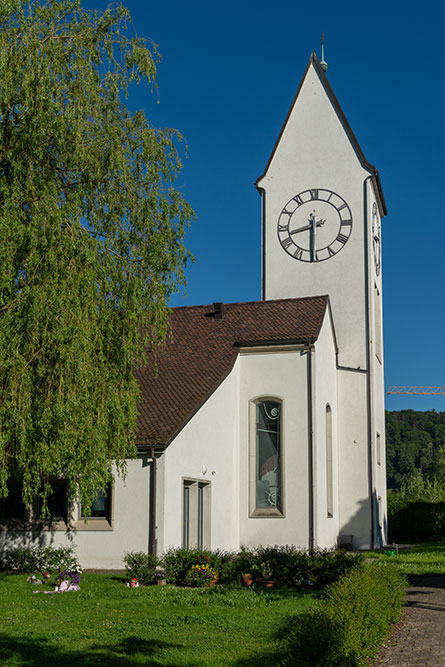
425	391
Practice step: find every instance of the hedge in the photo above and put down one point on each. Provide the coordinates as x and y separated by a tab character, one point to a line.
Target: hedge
416	521
348	626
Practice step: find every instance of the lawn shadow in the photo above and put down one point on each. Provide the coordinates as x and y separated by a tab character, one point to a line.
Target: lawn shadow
38	651
426	581
282	653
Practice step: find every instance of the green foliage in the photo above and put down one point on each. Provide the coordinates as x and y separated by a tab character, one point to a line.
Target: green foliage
349	625
286	565
418	488
40	560
91	241
425	559
416	511
329	566
142	566
178	563
200	575
415	441
416	521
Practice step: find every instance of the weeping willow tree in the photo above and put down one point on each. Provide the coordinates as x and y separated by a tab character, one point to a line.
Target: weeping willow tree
91	241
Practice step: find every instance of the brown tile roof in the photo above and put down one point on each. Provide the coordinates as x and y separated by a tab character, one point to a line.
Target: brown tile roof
202	352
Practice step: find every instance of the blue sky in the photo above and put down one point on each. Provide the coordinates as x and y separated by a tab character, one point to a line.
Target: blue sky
228	75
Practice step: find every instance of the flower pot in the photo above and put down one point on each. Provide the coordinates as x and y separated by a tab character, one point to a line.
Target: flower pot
247	580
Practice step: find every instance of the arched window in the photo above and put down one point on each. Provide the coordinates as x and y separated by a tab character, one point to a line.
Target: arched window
266	470
329	471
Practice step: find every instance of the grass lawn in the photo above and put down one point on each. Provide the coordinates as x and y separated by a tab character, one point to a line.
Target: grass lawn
427	558
106	623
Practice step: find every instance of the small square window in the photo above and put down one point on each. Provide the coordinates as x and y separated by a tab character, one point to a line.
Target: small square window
100	507
57	501
13	507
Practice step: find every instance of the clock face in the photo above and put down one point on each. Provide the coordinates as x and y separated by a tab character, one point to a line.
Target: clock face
376	237
315	225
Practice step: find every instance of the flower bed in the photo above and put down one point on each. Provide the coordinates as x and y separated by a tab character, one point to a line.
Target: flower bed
266	566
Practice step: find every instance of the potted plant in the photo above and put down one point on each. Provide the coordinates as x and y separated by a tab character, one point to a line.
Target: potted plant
267	574
247	578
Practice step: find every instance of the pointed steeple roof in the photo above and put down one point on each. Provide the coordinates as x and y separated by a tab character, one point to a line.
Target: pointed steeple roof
314	62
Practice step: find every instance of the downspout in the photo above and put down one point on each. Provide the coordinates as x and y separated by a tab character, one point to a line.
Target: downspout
368	366
311	450
152	508
263	242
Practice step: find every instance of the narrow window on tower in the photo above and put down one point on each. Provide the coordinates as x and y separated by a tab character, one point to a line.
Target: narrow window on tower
329	482
266	458
380	506
379	450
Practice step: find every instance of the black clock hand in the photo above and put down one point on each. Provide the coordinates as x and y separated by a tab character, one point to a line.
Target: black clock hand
301	229
318	223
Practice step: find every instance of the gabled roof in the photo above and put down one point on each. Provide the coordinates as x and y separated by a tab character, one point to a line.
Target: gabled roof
313	60
202	351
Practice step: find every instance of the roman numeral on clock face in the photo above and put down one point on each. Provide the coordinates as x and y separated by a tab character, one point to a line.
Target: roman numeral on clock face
342	238
298	253
283	228
287	242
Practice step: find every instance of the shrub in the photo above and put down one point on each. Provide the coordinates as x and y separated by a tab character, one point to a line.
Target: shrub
278	563
142	566
232	567
296	567
416	521
287	565
416	512
200	575
348	626
328	566
41	559
178	562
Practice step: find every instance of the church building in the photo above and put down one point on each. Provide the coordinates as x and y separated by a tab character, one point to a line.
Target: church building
265	422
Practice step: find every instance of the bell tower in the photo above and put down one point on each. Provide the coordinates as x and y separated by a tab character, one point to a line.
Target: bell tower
322	203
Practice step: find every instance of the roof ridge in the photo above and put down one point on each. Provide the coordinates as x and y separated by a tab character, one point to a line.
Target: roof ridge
244	303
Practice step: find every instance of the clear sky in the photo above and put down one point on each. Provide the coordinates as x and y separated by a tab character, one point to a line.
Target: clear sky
228	76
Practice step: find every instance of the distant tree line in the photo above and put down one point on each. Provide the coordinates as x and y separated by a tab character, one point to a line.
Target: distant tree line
415	459
415	442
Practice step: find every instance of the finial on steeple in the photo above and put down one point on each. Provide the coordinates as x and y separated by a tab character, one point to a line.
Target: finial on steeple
323	63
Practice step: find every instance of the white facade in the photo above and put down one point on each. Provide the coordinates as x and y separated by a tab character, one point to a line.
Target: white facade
99	543
317	153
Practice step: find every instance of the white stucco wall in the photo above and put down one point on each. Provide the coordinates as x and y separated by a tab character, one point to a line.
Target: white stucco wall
377	385
106	547
209	441
355	517
281	374
324	392
314	151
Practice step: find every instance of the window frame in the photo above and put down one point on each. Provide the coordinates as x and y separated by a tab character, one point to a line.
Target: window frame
196	513
264	512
